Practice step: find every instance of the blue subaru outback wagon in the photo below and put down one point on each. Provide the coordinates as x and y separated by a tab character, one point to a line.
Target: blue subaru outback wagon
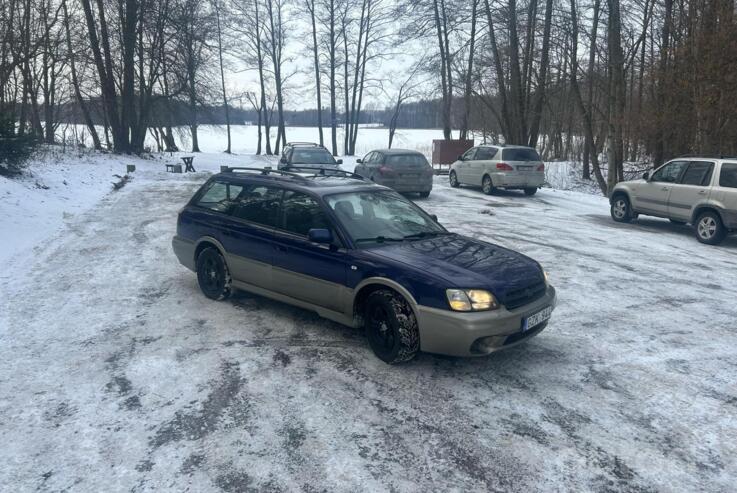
364	256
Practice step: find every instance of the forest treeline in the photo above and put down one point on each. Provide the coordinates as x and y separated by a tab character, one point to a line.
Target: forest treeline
600	81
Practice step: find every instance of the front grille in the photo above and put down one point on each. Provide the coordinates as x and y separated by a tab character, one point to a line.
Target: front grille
520	297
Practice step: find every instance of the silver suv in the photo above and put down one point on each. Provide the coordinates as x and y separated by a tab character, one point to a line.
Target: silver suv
699	191
494	167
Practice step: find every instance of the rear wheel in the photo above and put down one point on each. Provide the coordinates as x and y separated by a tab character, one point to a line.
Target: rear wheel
487	186
621	210
453	180
530	191
213	275
391	327
709	228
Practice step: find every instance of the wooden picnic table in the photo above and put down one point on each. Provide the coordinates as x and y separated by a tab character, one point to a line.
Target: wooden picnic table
188	166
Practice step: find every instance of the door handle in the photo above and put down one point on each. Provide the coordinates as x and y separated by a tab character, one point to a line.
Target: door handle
702	192
665	189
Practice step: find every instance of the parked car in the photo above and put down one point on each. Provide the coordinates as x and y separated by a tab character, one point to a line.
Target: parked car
307	155
364	256
701	191
492	167
404	171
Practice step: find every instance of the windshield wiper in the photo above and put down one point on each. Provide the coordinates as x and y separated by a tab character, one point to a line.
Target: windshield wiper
425	234
378	239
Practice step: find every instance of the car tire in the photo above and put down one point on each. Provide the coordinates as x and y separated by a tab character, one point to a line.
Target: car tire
391	327
709	228
529	191
621	210
453	178
424	195
213	275
678	222
487	186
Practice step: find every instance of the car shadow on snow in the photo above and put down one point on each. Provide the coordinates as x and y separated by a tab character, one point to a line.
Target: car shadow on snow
655	225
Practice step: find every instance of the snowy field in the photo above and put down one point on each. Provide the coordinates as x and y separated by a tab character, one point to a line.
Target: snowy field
116	374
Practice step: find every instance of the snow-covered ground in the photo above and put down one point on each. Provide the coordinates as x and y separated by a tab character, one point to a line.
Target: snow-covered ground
117	374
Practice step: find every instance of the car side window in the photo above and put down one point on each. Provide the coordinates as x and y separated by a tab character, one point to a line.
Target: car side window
220	196
301	213
485	154
698	173
728	176
367	158
469	154
670	172
259	204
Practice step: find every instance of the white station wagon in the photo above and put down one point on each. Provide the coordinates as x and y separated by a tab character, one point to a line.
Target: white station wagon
492	167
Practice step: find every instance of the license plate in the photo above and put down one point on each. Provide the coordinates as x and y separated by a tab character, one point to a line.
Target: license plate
525	168
536	318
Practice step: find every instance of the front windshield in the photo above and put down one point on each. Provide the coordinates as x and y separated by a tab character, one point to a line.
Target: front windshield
311	156
379	217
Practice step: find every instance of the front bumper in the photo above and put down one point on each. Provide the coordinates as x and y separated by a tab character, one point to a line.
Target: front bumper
454	333
517	179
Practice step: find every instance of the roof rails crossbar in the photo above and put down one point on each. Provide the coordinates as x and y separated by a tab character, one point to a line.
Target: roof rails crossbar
263	171
313	144
327	172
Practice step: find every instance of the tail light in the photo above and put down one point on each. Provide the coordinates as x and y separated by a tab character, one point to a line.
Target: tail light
386	171
504	167
541	167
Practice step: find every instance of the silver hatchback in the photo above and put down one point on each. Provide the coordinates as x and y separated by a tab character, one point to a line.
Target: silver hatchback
403	170
492	167
697	190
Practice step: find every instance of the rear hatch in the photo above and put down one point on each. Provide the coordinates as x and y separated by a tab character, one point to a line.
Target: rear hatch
522	159
408	167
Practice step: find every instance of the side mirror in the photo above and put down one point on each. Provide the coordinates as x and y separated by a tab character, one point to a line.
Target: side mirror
339	161
646	176
322	236
460	157
359	161
283	160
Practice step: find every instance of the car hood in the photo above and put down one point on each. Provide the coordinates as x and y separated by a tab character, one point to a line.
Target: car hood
464	262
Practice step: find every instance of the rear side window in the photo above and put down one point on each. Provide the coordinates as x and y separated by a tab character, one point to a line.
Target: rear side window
485	154
259	204
301	213
220	196
406	160
468	155
521	154
698	173
728	176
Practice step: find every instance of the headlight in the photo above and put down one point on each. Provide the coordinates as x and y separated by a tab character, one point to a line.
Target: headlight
467	300
547	278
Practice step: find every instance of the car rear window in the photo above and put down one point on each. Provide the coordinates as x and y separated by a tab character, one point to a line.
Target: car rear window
728	177
220	196
698	173
311	156
406	160
521	154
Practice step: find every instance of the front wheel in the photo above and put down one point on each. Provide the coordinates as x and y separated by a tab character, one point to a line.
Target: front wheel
709	228
391	327
530	191
213	275
621	210
453	178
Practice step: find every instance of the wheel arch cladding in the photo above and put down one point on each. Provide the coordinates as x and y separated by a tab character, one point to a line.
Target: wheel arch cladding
706	208
620	193
207	243
363	293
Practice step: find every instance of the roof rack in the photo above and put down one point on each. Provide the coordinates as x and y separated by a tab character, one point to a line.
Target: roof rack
312	144
326	172
263	171
706	156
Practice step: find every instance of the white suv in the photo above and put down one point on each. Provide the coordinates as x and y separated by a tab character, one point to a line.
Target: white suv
696	190
493	167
